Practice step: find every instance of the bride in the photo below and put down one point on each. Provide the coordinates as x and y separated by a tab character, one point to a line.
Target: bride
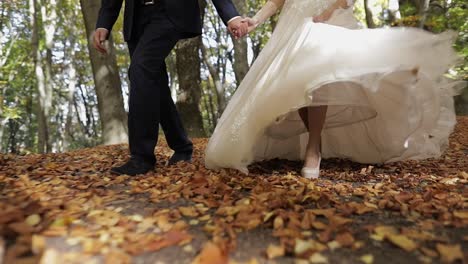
378	94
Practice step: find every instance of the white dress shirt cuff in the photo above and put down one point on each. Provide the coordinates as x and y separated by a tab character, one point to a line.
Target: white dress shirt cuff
233	19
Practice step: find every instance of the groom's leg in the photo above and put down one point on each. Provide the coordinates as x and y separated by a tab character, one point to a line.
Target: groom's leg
170	120
147	63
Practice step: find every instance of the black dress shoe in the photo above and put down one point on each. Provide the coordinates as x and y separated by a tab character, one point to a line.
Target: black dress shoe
133	167
180	156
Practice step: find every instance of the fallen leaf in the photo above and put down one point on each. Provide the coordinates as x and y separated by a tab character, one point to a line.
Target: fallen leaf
345	239
461	214
274	251
429	252
318	258
38	244
449	253
304	246
403	242
211	254
33	220
368	259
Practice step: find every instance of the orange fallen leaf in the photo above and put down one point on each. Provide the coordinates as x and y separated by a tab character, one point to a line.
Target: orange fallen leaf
169	239
345	239
461	214
188	211
211	254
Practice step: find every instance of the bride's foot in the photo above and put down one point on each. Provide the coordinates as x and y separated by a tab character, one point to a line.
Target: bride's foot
311	169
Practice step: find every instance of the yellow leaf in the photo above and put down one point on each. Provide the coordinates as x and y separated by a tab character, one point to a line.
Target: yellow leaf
275	251
385	230
33	220
403	242
38	244
278	223
449	253
368	259
318	258
268	216
303	246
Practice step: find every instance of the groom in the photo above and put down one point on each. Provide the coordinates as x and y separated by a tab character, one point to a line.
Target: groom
151	30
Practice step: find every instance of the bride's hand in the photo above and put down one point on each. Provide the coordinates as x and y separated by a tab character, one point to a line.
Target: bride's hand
252	23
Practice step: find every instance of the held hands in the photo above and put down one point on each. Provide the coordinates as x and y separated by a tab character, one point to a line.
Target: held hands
99	37
240	27
237	27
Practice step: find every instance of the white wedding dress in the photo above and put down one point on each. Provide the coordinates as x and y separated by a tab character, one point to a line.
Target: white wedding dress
387	97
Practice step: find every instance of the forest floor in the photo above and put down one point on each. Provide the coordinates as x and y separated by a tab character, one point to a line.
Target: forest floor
67	208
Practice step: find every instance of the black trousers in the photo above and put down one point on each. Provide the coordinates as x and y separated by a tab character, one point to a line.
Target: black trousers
150	102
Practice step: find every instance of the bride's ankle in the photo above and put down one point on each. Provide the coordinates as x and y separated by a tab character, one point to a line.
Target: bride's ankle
312	160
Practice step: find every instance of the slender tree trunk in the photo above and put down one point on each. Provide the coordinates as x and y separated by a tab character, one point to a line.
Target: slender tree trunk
4	56
107	81
206	106
188	99
369	18
214	116
423	13
49	20
68	137
42	112
218	85
241	64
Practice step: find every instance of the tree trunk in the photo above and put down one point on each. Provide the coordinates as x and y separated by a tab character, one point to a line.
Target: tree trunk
394	7
188	99
49	20
107	81
423	13
42	109
68	137
219	87
369	18
188	72
241	64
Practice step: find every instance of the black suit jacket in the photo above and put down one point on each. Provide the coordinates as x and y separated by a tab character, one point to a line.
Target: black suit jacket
185	14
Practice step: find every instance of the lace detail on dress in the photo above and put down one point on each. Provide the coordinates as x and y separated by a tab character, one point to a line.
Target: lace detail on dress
308	7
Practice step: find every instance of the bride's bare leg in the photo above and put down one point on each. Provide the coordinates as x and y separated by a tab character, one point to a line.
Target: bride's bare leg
315	119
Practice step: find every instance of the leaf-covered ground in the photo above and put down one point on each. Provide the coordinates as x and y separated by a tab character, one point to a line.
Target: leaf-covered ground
67	208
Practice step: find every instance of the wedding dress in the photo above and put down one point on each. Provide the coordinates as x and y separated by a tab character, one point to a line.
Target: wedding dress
386	94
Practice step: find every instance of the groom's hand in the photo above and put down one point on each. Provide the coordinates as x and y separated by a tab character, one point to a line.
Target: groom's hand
99	37
238	27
